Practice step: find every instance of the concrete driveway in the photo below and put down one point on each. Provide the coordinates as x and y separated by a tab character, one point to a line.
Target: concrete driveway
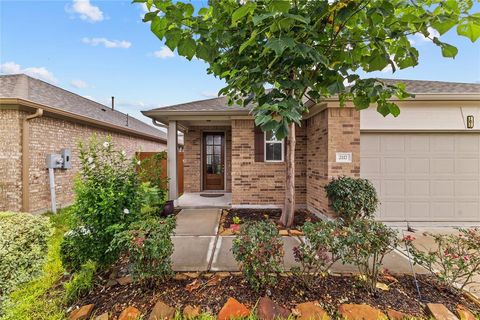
199	248
424	241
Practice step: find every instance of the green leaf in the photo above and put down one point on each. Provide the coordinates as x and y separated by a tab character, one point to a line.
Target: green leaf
448	51
361	102
187	48
469	28
393	109
149	16
188	10
443	24
377	61
259	18
158	27
299	18
173	37
279	6
241	12
279	44
383	109
249	42
205	52
203	11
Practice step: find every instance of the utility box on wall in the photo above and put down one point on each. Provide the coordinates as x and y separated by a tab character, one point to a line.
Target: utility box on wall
63	160
67	158
54	161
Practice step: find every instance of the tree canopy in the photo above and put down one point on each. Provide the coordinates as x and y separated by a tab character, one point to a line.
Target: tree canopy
306	48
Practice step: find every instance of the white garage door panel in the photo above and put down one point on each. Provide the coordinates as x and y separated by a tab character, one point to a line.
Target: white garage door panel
424	176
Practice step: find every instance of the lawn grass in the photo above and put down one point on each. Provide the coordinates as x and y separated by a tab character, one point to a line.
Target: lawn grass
38	299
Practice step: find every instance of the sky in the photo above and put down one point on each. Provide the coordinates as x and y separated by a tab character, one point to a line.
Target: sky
100	49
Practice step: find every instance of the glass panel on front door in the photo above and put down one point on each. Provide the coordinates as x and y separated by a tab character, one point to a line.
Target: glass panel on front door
213	154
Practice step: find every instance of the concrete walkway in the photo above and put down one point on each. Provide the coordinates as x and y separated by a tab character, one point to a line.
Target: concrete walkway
199	248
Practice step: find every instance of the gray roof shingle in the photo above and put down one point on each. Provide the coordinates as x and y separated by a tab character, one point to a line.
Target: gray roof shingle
413	86
21	86
435	87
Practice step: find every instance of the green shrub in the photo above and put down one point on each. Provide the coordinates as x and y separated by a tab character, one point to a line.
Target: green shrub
322	247
153	200
366	243
81	282
76	248
108	198
352	198
23	248
39	298
259	249
455	259
150	247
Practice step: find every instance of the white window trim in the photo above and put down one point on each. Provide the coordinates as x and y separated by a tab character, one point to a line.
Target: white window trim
265	148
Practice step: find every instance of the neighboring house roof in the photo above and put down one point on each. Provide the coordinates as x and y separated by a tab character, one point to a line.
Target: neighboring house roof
23	87
436	87
219	105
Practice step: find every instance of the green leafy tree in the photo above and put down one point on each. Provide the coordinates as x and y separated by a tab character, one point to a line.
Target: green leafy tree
306	50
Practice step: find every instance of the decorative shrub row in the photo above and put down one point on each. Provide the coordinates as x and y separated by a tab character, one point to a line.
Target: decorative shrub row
23	249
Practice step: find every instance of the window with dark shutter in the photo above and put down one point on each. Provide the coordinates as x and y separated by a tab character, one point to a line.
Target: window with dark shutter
259	145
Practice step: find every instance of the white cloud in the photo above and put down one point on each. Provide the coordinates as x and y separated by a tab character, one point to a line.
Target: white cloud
388	68
35	72
107	43
80	84
86	10
164	53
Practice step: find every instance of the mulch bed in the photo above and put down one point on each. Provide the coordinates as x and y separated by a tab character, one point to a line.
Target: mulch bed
210	292
301	216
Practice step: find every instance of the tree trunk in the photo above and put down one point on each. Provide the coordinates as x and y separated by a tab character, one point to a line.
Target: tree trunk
289	208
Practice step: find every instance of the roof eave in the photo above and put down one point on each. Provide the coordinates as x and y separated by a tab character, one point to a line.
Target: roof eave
77	117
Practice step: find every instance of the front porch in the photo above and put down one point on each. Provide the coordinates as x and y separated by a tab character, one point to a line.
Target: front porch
207	199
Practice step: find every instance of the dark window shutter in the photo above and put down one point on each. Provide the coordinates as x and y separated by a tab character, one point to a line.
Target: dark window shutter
259	145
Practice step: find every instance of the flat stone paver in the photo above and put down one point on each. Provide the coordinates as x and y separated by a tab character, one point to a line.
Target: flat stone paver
192	253
223	259
198	222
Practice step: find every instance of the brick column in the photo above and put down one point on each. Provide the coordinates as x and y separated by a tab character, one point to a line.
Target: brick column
332	130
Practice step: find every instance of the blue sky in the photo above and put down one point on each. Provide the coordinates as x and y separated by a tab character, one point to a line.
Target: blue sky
100	49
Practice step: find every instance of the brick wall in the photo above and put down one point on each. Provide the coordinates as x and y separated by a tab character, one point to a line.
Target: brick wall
10	161
332	130
262	183
192	167
49	135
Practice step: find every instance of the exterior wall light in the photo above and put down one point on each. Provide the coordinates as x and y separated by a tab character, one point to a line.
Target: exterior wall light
470	122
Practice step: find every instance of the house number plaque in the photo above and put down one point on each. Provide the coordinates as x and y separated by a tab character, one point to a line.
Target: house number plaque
344	157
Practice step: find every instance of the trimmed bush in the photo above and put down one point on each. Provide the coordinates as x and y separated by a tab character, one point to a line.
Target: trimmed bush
259	250
322	247
149	245
366	243
455	259
352	198
23	249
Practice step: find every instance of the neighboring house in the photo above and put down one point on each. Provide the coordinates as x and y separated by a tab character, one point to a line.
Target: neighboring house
425	164
37	119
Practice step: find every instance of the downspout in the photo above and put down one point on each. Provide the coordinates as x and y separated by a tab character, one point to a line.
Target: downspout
26	159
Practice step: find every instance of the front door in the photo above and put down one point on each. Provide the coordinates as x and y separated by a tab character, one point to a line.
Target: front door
213	161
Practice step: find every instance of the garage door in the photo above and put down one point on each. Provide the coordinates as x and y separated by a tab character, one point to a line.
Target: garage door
424	177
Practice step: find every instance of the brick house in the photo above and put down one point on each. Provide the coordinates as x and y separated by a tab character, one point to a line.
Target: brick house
37	119
425	164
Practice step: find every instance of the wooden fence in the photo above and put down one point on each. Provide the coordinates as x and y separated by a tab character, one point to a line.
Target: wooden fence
144	155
